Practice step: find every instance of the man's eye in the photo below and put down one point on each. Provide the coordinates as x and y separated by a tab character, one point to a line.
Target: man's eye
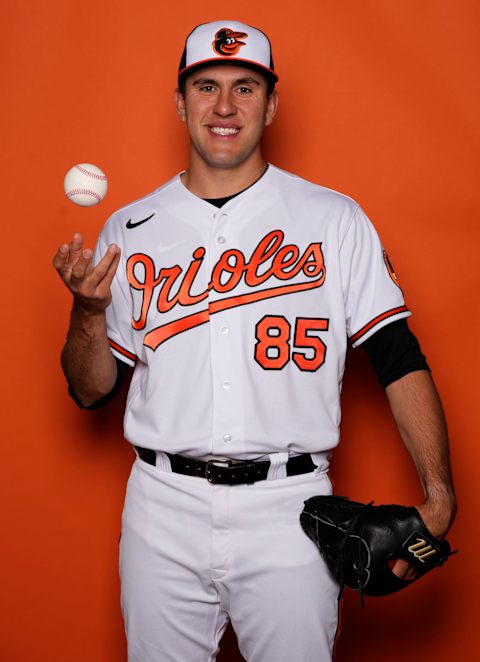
207	88
244	90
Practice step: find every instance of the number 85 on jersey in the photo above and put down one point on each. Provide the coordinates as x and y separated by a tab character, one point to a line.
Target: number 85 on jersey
276	345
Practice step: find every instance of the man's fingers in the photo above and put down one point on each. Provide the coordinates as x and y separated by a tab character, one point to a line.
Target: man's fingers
107	279
67	256
60	257
76	244
107	266
75	249
80	268
402	569
89	285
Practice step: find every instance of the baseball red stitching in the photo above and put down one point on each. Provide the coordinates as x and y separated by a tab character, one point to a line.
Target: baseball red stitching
93	175
83	191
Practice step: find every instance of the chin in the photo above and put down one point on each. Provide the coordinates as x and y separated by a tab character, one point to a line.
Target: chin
224	164
225	161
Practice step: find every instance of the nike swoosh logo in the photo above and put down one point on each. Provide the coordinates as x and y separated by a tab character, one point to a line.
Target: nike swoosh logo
131	225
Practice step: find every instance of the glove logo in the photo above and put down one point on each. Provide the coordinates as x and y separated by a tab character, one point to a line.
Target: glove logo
421	550
227	42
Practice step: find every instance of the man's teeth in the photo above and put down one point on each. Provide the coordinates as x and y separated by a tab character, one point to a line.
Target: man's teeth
223	131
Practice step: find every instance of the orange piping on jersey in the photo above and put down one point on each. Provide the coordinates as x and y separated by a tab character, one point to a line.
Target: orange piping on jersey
123	351
157	336
380	318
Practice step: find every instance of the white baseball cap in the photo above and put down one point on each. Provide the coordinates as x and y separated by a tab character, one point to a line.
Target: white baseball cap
227	42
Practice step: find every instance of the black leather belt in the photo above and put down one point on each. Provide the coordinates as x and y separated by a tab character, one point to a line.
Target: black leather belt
227	473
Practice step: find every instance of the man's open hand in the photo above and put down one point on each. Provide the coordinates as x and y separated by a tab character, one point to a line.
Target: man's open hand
89	285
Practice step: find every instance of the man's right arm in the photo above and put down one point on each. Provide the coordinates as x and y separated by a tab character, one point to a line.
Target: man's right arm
87	360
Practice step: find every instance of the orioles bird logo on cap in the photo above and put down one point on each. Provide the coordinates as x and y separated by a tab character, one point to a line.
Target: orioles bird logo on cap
226	41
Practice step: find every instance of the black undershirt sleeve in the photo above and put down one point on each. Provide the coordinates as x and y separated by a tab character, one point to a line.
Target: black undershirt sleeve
394	351
122	369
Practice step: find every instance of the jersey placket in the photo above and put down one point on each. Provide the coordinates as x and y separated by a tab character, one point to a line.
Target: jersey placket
225	383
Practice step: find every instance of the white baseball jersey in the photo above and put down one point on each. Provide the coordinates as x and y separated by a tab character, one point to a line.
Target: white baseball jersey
236	319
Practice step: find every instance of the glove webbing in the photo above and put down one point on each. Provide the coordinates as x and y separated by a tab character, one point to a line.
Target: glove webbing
359	565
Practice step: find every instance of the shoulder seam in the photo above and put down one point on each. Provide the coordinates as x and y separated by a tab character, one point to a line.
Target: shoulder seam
292	175
354	213
165	186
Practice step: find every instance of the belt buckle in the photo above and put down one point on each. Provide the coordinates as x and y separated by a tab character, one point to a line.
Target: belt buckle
235	466
208	473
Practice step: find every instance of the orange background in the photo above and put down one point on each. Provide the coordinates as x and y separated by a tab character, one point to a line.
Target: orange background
380	100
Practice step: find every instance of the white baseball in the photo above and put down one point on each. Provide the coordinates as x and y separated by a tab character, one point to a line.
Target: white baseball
85	184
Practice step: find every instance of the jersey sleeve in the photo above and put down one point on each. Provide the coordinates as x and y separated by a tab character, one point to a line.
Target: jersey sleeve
372	295
119	312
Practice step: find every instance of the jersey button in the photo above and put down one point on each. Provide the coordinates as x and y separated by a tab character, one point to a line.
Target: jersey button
227	438
224	329
226	385
221	240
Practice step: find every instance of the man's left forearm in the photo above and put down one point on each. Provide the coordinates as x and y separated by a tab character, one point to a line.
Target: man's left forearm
419	416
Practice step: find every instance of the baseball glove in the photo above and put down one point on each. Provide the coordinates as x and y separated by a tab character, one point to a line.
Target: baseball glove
357	541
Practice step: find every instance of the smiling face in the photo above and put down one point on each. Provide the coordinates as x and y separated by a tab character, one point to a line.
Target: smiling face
226	109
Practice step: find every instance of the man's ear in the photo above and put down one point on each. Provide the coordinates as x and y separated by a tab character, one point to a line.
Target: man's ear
180	105
272	106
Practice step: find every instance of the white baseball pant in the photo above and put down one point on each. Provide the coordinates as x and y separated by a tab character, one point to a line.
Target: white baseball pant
194	556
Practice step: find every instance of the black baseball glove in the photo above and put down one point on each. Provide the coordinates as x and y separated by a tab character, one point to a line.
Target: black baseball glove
357	541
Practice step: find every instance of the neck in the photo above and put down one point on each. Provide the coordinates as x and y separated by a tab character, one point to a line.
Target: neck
208	182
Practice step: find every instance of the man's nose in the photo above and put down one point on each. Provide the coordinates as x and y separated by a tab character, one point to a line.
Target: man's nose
225	103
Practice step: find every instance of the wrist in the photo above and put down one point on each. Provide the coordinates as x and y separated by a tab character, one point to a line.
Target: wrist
438	512
87	313
441	497
87	322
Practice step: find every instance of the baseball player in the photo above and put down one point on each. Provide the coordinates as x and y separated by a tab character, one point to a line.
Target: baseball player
231	291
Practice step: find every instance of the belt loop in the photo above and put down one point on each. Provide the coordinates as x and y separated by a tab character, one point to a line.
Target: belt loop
278	466
163	462
321	460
